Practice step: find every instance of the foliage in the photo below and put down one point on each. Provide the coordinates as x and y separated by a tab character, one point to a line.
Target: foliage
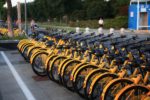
117	22
13	38
99	8
1	8
42	10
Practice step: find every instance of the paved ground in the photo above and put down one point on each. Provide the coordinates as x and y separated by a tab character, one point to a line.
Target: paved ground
40	90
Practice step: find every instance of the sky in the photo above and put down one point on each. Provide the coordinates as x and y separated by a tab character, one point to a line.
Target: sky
14	2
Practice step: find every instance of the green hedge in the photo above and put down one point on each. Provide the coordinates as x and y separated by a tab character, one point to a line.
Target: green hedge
118	22
13	38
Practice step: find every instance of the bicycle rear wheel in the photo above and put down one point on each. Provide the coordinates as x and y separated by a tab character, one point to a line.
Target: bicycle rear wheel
32	51
98	85
25	51
38	64
61	67
114	87
48	63
132	92
90	77
79	78
54	68
66	73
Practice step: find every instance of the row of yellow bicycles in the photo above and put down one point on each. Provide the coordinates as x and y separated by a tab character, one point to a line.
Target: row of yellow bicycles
97	66
4	32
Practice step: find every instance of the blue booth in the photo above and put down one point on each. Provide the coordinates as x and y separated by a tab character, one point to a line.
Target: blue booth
139	15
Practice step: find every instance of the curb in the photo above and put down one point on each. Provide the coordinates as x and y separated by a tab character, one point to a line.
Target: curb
8	44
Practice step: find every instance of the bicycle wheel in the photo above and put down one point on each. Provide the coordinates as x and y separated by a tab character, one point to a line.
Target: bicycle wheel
98	85
146	96
21	43
38	64
32	51
132	92
61	67
26	45
35	51
66	73
48	63
20	47
88	79
80	76
113	87
76	68
25	51
54	66
38	52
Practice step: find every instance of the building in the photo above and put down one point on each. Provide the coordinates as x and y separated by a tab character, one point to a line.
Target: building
139	15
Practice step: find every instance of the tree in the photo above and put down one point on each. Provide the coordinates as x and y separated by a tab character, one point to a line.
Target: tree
99	8
9	19
41	10
1	8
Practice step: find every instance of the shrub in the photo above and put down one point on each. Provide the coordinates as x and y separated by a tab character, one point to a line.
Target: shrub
13	38
118	22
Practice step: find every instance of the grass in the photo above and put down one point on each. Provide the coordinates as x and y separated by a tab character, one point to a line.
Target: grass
13	38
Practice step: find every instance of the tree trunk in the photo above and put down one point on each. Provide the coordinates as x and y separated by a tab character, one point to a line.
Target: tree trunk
9	20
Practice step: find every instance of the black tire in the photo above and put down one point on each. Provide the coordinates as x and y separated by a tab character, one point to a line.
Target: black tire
54	69
47	70
31	52
100	71
61	66
24	53
138	89
40	71
108	94
67	75
24	46
78	84
98	88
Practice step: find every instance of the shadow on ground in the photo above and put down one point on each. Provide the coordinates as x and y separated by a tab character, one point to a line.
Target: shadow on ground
6	45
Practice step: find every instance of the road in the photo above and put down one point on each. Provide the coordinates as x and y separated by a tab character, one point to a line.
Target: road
18	81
